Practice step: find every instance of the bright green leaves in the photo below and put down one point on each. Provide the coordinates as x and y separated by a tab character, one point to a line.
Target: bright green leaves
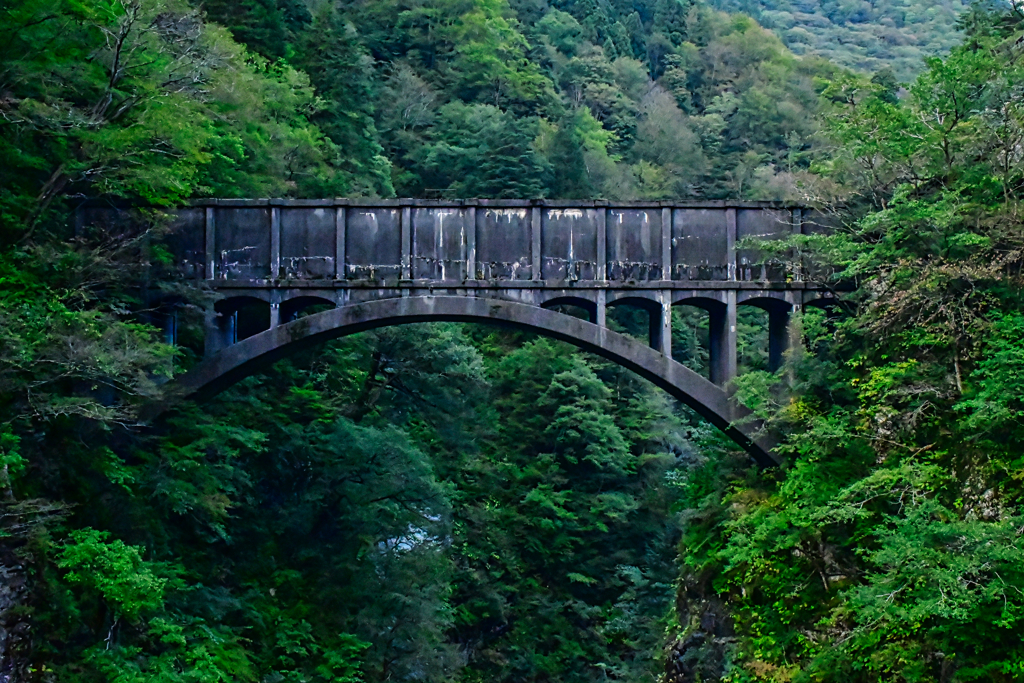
992	410
11	462
562	29
144	101
892	548
117	572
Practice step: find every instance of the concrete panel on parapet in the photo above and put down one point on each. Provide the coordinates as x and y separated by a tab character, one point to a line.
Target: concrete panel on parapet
700	245
569	244
373	244
307	243
242	238
761	224
185	239
439	243
503	242
634	244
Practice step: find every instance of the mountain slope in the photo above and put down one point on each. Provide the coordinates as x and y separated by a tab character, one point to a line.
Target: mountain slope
867	35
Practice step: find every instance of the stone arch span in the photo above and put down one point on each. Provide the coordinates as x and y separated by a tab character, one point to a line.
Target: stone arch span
237	361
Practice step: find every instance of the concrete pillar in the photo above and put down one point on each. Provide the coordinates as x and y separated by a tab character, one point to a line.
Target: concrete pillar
602	244
723	341
666	245
220	332
778	336
661	326
275	308
406	235
471	243
602	308
666	323
730	242
536	237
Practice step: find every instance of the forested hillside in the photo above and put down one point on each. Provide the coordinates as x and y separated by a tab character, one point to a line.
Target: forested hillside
860	34
450	502
645	100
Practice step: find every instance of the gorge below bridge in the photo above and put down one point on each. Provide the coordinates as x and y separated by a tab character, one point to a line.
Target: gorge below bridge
374	263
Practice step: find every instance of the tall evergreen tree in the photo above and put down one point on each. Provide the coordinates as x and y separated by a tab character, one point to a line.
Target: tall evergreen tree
342	73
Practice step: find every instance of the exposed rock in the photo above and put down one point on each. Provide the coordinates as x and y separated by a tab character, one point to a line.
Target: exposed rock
14	623
700	653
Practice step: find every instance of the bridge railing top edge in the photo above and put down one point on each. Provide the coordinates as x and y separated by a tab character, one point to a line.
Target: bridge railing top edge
492	203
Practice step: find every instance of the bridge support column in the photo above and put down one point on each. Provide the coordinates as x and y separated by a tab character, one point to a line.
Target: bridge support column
221	331
666	323
723	341
275	308
778	336
661	324
169	327
601	316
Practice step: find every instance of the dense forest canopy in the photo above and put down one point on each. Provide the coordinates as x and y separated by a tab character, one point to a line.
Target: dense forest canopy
457	503
867	35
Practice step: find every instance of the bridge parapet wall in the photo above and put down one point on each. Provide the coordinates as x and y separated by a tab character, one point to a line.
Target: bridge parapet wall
503	262
382	242
285	255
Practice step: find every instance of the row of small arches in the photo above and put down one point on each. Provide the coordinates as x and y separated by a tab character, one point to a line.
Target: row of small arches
240	317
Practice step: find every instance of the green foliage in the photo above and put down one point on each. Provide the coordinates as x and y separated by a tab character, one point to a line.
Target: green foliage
440	503
631	102
867	36
143	101
481	151
114	570
339	69
890	548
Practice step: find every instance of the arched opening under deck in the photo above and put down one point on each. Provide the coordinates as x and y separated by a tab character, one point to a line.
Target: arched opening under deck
241	359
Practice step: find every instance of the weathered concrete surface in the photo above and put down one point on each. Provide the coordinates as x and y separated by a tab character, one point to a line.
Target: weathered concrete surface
384	262
241	359
386	241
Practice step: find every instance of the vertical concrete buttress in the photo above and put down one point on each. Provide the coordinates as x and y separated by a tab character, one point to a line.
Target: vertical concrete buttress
211	244
275	243
730	242
406	236
340	235
275	308
666	244
536	239
471	243
722	328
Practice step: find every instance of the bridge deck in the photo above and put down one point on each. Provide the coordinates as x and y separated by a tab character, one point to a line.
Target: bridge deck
289	254
378	262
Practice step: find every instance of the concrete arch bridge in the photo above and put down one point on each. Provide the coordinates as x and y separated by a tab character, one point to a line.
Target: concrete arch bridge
375	263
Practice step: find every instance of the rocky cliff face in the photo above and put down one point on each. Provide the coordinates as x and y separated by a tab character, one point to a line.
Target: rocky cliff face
702	650
14	622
